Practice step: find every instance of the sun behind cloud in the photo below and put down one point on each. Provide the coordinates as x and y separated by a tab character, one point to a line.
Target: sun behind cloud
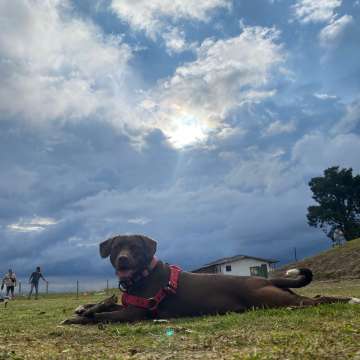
187	130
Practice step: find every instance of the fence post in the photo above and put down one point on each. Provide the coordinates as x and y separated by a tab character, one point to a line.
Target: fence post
19	288
77	289
47	288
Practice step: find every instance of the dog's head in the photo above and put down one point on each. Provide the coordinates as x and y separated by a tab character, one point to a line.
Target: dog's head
129	254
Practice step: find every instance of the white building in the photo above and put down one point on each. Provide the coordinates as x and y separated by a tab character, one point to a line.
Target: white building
241	265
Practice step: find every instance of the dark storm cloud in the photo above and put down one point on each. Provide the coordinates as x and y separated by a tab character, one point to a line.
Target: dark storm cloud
81	160
226	198
49	173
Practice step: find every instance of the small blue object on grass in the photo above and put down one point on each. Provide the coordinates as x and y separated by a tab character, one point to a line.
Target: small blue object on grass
169	332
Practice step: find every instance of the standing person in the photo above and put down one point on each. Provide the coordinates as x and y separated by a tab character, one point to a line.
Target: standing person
34	281
338	237
9	280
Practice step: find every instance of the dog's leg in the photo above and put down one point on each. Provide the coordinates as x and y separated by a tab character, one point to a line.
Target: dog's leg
123	315
331	300
129	314
84	314
80	320
271	296
82	308
103	306
319	300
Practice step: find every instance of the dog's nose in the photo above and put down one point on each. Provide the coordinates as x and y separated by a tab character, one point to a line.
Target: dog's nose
123	262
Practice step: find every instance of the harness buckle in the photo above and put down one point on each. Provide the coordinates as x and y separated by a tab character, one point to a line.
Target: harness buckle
122	286
169	288
153	304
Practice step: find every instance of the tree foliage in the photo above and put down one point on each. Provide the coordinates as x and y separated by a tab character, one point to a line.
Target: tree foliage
338	196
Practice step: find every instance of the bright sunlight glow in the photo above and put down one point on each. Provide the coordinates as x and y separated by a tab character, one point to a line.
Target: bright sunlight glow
186	131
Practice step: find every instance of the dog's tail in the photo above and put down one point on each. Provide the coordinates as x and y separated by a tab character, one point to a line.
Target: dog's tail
303	278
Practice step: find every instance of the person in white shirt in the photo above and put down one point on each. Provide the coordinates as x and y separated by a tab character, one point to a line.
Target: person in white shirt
9	280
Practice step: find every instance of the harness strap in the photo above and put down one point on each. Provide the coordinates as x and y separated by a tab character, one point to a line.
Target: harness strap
152	303
174	278
137	301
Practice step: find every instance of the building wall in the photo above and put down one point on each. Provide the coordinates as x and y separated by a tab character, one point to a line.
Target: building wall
242	267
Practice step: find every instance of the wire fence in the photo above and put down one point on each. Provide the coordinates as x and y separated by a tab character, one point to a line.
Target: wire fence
76	287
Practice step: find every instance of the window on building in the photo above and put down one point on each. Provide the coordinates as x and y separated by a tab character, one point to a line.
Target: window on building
228	268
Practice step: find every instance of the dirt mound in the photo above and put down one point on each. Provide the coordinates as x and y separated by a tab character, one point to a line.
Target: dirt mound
337	263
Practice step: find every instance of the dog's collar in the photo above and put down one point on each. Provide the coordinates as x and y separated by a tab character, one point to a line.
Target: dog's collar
125	284
151	304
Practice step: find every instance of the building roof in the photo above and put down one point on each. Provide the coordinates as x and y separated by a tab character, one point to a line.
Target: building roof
235	258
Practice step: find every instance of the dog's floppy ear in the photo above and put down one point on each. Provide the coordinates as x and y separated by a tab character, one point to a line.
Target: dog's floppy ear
105	247
150	246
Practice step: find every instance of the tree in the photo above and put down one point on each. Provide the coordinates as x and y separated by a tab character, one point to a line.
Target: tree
338	196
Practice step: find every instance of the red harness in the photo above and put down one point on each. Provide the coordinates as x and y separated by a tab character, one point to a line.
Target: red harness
152	303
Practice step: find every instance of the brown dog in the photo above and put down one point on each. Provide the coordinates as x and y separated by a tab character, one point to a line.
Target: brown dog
155	289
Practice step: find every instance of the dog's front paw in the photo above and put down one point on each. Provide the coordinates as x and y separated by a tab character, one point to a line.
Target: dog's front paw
82	308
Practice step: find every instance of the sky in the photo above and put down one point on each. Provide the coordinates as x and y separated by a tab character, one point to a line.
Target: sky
197	123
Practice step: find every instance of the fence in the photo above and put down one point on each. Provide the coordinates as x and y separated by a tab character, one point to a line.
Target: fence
76	288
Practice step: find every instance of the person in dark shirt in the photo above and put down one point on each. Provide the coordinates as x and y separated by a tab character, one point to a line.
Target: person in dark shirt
34	281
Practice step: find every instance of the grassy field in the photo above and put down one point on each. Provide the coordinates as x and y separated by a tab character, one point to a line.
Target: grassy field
335	263
30	329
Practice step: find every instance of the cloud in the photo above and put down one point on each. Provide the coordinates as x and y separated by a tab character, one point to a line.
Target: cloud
95	184
323	11
161	18
153	16
258	171
226	75
316	151
55	65
47	75
319	11
16	180
331	34
175	41
211	160
323	96
350	121
188	220
87	158
139	221
277	127
34	224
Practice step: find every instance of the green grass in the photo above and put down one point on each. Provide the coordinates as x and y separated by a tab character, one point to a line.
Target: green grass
30	329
